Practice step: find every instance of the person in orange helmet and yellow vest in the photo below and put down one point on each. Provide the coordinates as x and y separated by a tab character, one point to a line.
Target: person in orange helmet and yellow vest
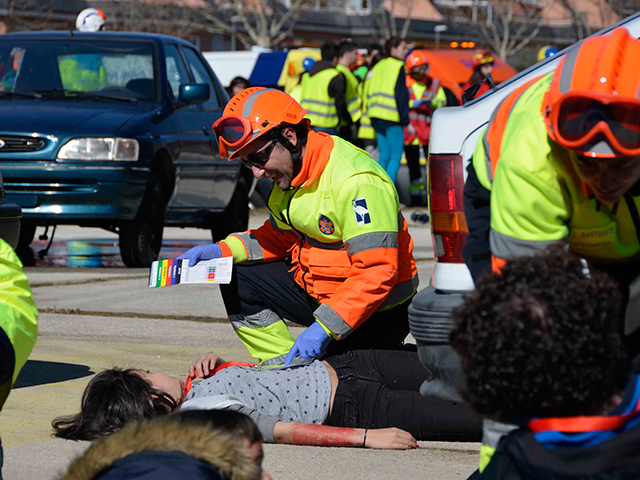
559	163
425	96
335	254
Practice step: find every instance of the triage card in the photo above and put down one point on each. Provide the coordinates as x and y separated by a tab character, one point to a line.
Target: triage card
172	272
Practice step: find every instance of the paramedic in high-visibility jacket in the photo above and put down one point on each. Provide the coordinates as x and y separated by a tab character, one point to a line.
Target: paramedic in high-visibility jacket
559	163
335	254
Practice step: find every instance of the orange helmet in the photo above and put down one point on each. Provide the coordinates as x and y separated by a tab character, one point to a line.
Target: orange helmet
594	96
252	113
482	58
416	58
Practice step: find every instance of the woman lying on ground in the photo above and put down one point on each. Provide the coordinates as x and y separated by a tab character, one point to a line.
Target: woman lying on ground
361	399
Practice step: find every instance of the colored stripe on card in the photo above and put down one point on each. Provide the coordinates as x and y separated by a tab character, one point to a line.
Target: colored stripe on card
174	272
169	268
163	275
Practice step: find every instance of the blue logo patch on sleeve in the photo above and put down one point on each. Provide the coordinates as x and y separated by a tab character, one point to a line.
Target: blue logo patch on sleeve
361	211
326	225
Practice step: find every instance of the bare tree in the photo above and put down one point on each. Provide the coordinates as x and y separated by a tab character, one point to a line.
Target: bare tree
25	15
384	14
264	23
506	25
578	18
170	17
624	8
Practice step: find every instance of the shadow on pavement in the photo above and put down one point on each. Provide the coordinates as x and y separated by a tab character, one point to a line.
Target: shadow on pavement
38	372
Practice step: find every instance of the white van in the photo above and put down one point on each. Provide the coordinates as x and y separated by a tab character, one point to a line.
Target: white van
454	135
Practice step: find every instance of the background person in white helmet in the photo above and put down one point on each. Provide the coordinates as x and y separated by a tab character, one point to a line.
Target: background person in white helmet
90	20
85	72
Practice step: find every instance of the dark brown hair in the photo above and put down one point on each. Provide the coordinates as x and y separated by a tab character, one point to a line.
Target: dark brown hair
541	339
111	400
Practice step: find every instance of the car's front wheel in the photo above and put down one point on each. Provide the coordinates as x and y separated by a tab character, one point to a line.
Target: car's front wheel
236	216
141	238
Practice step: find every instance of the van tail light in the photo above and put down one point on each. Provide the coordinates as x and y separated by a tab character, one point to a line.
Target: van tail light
448	223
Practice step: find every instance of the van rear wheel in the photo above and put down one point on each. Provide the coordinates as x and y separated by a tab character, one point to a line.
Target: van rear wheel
141	238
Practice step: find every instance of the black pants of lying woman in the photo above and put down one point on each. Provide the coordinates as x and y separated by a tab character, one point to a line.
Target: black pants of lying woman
380	388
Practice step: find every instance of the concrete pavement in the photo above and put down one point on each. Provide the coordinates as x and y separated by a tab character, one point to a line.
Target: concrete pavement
92	319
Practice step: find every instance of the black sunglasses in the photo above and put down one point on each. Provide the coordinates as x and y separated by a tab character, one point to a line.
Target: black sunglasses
260	158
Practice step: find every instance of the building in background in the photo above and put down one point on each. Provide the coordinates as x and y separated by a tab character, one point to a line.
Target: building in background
214	25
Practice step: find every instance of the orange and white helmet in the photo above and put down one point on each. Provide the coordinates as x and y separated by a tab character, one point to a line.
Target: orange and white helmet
593	104
415	59
251	114
482	58
90	20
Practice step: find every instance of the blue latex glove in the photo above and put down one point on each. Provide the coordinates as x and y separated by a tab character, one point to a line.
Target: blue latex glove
310	344
417	103
201	252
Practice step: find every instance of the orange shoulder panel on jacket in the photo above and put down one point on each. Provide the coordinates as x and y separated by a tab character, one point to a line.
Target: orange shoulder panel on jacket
499	124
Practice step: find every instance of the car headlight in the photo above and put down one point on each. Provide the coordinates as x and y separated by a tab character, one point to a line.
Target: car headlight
116	149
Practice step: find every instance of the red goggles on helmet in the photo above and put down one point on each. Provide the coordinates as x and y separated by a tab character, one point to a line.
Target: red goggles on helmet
580	120
232	132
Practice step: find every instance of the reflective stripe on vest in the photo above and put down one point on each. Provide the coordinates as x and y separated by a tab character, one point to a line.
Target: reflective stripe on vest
316	99
381	101
352	96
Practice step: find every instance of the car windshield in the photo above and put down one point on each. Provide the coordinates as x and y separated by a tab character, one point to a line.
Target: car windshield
77	69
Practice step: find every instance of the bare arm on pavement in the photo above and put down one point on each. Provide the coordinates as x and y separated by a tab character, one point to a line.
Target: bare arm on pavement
327	436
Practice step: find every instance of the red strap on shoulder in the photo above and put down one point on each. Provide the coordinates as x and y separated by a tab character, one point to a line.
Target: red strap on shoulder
233	364
188	381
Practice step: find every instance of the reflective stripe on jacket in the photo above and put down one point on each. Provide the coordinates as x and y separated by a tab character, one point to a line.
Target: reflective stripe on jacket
341	224
352	95
381	100
537	196
315	98
18	318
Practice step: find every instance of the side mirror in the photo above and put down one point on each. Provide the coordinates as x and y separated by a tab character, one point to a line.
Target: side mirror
193	93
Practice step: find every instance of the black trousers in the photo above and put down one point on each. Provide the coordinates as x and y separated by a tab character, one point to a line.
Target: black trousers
271	285
379	389
412	154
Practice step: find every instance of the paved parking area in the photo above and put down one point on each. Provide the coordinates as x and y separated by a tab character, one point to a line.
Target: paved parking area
96	318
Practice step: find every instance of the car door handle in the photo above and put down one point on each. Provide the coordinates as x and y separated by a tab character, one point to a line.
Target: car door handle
206	130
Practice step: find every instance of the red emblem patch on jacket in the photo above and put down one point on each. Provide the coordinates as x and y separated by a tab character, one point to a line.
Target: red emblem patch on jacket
326	225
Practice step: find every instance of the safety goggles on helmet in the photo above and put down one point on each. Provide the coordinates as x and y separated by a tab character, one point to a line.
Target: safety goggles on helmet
580	119
233	132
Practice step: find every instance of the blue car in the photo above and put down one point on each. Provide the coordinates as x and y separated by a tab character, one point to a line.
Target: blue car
113	130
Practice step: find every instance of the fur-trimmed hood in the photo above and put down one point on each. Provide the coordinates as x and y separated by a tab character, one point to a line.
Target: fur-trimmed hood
164	435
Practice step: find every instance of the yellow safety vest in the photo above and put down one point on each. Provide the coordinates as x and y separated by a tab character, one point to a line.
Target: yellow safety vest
316	99
352	95
83	72
381	100
537	195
